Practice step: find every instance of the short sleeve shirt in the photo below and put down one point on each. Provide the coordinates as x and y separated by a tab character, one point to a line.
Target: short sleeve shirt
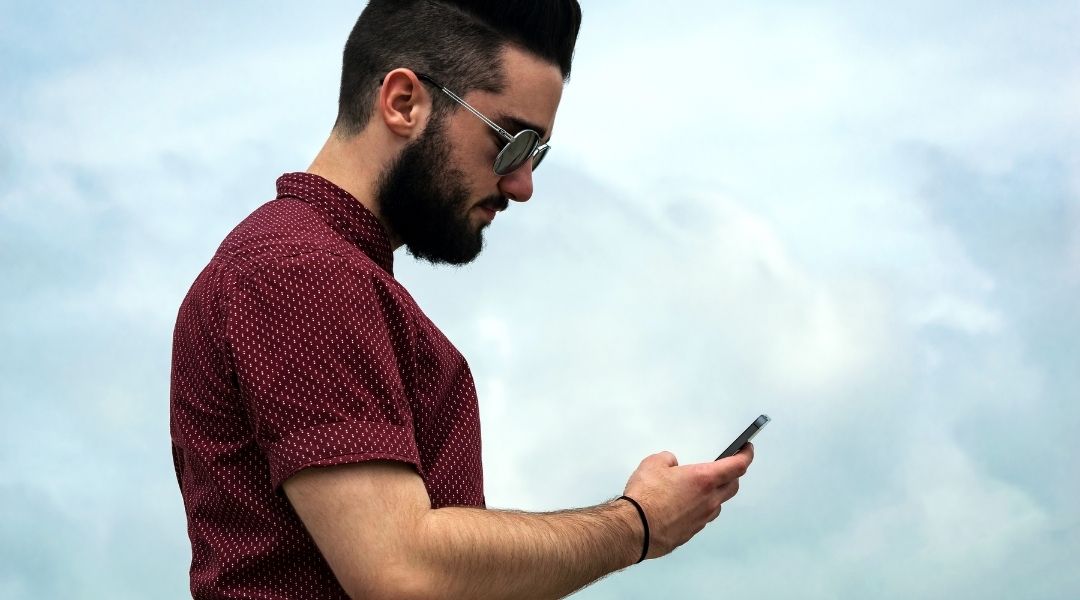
297	348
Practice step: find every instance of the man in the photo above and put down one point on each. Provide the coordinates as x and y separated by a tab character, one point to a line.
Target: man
325	433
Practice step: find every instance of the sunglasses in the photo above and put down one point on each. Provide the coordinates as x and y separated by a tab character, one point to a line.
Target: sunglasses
519	148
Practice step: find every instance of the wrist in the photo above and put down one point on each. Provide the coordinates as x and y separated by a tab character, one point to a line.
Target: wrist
631	550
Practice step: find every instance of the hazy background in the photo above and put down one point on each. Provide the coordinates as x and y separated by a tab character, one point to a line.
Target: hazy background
860	218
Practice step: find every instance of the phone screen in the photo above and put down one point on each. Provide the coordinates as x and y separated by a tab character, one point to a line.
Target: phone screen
746	436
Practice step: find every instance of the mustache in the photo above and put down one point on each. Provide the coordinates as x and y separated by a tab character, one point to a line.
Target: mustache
495	202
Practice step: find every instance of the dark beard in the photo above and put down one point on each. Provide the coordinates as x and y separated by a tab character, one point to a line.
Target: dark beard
423	201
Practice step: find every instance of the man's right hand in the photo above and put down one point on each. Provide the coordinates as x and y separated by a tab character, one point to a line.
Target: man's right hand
680	500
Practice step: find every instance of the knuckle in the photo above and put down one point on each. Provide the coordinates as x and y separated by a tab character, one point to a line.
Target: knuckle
715	514
703	481
717	505
740	470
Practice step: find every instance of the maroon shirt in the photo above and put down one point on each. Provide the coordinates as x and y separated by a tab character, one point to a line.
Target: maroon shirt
294	348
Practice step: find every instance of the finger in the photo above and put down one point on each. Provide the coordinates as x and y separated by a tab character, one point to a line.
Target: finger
715	513
661	459
732	467
748	450
728	490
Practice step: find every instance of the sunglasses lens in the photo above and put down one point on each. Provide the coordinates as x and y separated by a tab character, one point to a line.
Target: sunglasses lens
516	152
540	156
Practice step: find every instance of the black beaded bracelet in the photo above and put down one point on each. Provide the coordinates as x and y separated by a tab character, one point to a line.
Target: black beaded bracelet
644	521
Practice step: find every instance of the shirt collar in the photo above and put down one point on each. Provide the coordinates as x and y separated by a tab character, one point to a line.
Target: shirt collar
343	212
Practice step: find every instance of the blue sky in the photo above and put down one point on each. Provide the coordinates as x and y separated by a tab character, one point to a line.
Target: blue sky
862	220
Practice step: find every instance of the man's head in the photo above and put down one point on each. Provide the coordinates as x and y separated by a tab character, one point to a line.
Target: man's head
508	59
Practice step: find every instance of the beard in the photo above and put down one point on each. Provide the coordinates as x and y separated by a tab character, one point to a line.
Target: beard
425	202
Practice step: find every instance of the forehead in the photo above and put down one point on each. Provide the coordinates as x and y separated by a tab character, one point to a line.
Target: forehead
532	92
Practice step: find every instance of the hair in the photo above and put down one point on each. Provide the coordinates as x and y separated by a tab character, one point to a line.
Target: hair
457	42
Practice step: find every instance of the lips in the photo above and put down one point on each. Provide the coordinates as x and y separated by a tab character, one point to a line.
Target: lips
491	206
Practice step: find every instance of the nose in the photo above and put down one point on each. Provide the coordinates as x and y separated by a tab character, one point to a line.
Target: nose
518	185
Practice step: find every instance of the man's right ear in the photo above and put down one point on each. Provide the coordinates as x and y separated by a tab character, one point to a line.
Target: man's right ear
403	103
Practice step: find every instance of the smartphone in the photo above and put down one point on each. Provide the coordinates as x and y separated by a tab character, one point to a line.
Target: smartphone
746	436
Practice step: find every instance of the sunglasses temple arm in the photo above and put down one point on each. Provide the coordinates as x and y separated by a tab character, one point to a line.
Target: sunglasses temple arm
490	123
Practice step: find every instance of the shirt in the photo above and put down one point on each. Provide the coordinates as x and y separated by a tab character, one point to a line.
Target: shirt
296	347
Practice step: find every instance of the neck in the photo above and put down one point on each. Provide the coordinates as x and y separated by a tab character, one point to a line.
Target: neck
352	164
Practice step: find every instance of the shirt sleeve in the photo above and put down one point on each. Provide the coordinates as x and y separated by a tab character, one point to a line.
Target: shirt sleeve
320	345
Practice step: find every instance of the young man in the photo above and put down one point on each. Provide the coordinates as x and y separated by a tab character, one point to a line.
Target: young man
325	433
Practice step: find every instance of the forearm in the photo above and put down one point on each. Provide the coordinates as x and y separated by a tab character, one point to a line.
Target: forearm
476	553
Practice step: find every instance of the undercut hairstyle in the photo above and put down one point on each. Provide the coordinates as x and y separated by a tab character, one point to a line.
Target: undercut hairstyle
457	42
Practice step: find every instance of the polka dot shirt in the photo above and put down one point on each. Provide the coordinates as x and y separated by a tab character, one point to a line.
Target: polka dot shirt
297	348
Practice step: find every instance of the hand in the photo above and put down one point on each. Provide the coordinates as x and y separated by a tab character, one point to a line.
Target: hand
680	500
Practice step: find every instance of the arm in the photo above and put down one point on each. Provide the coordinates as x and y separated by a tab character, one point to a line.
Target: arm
373	523
475	553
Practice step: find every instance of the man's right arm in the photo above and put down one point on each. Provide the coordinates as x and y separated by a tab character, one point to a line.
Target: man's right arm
374	525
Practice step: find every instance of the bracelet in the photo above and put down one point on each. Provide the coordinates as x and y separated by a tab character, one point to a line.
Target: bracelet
644	521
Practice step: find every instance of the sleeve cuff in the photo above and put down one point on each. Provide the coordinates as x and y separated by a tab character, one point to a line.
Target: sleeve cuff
341	443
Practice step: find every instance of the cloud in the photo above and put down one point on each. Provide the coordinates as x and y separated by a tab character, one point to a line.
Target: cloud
52	551
967	317
947	520
694	323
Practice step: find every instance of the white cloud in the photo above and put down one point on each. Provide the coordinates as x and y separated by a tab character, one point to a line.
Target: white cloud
129	112
943	519
664	328
797	331
496	332
962	315
1072	267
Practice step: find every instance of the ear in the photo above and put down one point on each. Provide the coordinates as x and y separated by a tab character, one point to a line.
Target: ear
404	104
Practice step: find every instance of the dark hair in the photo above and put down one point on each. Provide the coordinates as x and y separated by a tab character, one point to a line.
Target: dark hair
458	42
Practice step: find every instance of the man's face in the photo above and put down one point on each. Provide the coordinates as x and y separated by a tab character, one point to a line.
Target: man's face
442	191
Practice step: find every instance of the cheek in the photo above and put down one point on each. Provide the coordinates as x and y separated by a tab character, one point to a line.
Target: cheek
473	149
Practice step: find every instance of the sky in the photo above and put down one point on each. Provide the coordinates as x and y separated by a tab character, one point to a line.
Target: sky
862	219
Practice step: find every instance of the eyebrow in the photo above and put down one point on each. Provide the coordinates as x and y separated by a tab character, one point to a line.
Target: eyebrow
517	124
